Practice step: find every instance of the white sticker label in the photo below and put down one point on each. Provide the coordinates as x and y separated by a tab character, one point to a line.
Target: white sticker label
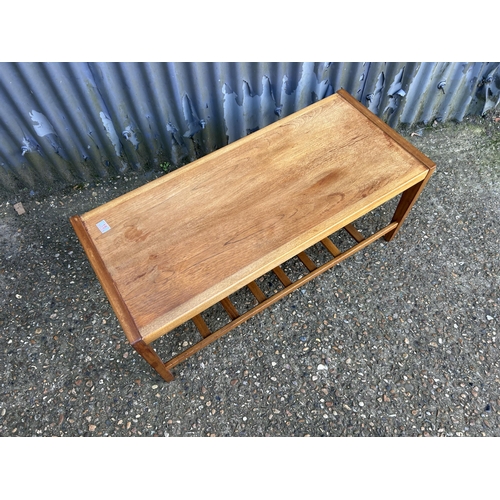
103	226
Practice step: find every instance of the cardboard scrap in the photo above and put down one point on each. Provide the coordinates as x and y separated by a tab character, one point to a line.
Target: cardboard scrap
18	207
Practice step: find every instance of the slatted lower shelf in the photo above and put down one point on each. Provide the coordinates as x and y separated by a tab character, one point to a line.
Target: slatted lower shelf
289	286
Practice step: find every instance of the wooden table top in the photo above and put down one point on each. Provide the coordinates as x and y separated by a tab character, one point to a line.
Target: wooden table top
183	242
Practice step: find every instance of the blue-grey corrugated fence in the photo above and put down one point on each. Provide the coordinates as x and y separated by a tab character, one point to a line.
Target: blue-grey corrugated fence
73	122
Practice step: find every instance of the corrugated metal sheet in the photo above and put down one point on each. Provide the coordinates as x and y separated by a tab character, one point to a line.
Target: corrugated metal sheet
73	122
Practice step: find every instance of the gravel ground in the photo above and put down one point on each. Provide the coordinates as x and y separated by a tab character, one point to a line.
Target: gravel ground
398	340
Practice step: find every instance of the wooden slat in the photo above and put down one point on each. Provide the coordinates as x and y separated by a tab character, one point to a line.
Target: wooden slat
331	247
257	292
229	307
304	258
282	276
276	297
201	325
354	233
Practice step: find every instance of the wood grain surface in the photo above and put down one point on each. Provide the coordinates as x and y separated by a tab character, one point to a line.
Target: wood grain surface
187	240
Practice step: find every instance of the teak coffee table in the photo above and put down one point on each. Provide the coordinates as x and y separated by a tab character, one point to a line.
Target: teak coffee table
166	252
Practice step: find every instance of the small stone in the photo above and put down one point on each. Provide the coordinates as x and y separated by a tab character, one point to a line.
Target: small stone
322	367
234	381
489	318
361	403
92	428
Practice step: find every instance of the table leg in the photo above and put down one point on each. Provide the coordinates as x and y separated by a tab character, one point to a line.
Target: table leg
408	199
150	355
